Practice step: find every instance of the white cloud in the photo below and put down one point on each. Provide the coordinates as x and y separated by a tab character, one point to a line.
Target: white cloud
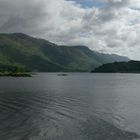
114	28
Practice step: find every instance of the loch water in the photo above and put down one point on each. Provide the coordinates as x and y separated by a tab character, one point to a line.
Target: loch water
74	106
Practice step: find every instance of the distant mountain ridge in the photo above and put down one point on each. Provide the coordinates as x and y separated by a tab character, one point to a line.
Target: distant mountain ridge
41	55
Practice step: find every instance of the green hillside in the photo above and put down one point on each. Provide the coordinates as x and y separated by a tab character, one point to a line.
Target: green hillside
40	55
119	67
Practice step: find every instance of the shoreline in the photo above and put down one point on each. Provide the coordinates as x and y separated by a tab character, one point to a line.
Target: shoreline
9	74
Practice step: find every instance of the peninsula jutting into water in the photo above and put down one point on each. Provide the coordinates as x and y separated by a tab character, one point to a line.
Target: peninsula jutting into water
119	67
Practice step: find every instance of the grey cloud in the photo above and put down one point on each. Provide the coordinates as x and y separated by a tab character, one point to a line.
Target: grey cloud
105	29
20	16
118	3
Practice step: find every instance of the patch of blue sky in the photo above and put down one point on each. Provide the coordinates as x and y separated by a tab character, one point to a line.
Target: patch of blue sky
134	22
90	3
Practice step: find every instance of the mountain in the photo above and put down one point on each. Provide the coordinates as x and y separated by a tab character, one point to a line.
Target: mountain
41	55
119	67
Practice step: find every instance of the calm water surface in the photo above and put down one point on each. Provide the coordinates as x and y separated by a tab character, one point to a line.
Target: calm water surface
80	106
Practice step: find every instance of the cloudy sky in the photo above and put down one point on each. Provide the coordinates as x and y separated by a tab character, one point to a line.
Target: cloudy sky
109	26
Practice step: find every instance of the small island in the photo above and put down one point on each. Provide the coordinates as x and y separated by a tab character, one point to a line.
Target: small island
13	71
119	67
